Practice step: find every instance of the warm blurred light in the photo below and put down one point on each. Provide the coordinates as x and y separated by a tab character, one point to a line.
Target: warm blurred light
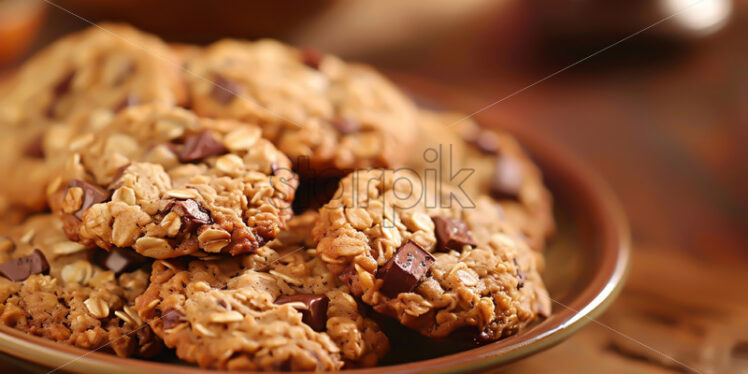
702	17
20	21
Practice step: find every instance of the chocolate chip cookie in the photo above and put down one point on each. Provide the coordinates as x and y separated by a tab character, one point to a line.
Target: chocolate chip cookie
486	162
277	309
167	183
420	254
69	88
312	106
108	66
62	291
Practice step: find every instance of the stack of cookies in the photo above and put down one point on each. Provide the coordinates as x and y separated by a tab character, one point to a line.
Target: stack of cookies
254	207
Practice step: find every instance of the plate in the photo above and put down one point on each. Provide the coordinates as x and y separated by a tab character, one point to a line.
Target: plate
586	265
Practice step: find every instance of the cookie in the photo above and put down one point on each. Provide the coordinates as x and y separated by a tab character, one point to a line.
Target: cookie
486	162
277	309
69	88
427	258
167	183
109	66
62	291
314	107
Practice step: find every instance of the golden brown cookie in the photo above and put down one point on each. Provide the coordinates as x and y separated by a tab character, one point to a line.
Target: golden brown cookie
314	107
62	291
168	183
278	309
418	255
486	162
70	88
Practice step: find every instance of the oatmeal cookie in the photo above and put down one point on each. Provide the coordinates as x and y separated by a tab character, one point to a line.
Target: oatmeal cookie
424	257
338	115
277	309
168	183
486	162
108	66
69	88
62	291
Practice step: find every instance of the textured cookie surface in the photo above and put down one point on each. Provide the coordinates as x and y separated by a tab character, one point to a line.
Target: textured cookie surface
337	115
167	183
486	162
69	88
434	267
77	301
244	313
107	66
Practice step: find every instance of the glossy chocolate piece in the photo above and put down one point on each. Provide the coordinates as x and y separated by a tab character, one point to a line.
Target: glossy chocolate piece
345	125
224	90
19	269
91	195
120	260
192	213
60	89
311	57
349	277
35	148
314	309
200	145
485	141
520	275
171	318
452	234
402	271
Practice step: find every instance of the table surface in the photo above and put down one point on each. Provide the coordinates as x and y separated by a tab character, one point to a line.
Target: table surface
669	134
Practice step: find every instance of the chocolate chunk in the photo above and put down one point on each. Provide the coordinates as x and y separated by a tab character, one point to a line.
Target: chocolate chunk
520	275
345	125
507	178
119	260
21	268
63	85
128	101
313	311
224	89
35	149
452	234
402	271
200	145
349	277
171	318
192	213
311	57
485	141
91	195
483	338
60	89
117	175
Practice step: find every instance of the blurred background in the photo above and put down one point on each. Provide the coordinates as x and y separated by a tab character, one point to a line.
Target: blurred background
653	94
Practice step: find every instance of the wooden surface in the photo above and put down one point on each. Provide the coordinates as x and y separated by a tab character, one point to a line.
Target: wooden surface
669	132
